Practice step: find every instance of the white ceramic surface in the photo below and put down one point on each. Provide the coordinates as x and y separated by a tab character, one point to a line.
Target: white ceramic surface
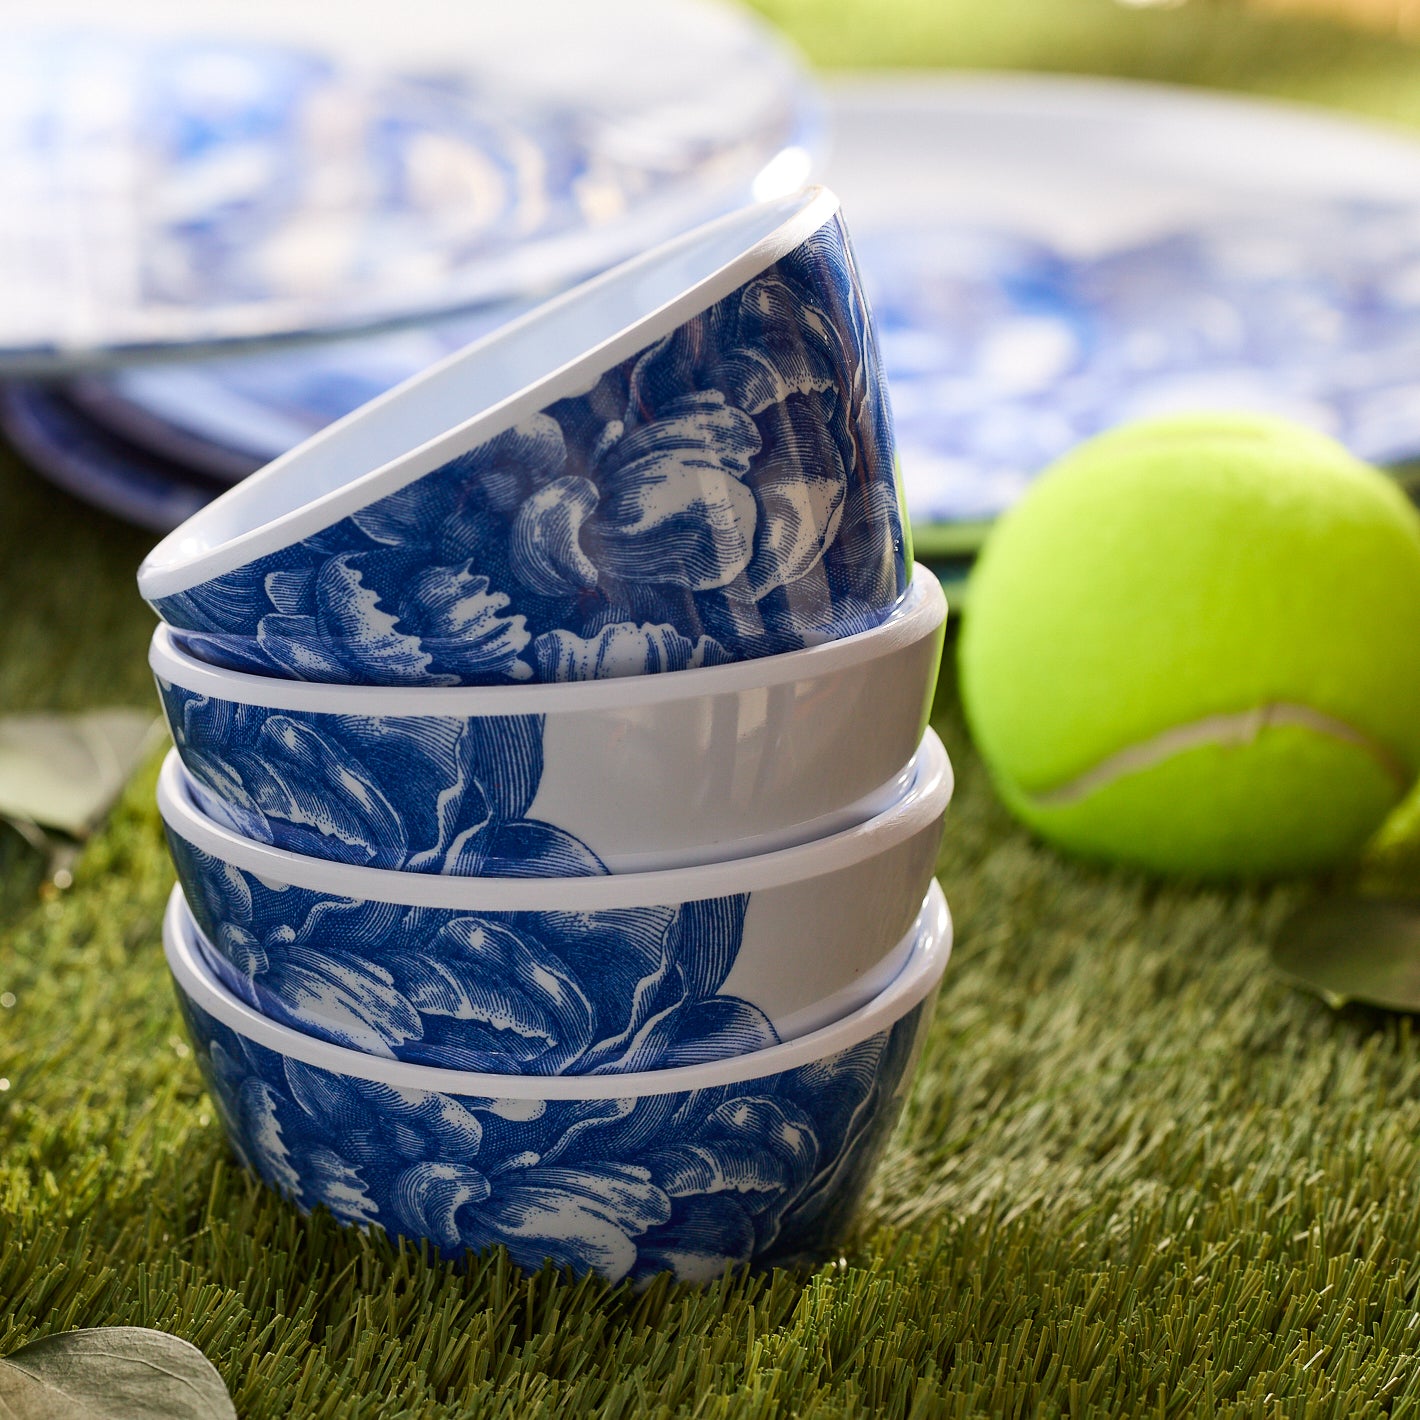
569	975
646	772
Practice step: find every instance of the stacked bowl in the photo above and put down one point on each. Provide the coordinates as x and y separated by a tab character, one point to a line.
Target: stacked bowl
552	801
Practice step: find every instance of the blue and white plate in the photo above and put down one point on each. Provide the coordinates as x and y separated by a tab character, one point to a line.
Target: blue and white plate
1046	257
91	463
226	416
181	176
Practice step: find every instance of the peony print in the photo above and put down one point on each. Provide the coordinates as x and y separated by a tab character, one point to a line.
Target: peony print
727	492
432	795
536	993
763	1172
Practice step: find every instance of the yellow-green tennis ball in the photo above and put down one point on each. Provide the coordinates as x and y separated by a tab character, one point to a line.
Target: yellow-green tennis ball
1194	646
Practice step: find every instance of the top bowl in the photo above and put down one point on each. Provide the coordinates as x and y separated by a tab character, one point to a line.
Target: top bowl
686	461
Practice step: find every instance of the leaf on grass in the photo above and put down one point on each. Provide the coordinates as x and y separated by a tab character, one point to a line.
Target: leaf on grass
112	1373
65	771
1363	949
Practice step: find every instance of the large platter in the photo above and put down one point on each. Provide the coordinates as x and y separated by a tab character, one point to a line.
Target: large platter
1046	258
179	175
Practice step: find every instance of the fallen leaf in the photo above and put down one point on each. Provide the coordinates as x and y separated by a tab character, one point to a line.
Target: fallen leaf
1360	949
65	771
112	1373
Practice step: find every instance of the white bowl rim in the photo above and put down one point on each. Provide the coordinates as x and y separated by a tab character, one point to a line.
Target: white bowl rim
932	932
181	560
916	810
920	612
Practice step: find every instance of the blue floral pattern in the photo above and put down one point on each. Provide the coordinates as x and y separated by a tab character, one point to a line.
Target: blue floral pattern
233	170
765	1172
533	993
433	794
728	492
213	188
1005	352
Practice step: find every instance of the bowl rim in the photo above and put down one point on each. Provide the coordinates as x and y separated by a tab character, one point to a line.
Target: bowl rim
184	559
932	949
915	812
919	613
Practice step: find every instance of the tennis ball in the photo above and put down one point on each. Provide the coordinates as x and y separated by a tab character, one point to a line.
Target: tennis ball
1194	646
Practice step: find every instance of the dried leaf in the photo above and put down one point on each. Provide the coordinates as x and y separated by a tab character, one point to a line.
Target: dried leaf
112	1373
65	771
1364	949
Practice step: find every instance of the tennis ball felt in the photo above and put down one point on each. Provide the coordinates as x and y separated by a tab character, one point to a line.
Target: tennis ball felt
1194	645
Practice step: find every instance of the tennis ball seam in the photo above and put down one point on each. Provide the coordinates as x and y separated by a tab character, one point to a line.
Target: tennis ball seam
1238	729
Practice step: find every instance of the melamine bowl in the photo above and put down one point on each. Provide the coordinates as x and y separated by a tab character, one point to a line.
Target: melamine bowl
554	976
560	780
759	1159
686	461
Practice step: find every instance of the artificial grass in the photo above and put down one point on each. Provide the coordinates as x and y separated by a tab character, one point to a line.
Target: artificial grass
1212	43
1137	1175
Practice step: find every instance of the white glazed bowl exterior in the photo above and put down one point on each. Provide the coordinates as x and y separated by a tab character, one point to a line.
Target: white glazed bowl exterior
564	975
625	775
760	1159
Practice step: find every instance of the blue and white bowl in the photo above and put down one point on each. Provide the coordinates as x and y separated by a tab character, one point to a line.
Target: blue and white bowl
686	461
557	976
624	775
760	1159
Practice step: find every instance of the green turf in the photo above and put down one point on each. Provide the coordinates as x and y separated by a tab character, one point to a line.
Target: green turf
1138	1175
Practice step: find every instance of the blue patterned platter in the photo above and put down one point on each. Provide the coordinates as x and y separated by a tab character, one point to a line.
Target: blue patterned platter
262	170
684	462
566	974
91	463
227	415
1045	257
1048	257
759	1160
